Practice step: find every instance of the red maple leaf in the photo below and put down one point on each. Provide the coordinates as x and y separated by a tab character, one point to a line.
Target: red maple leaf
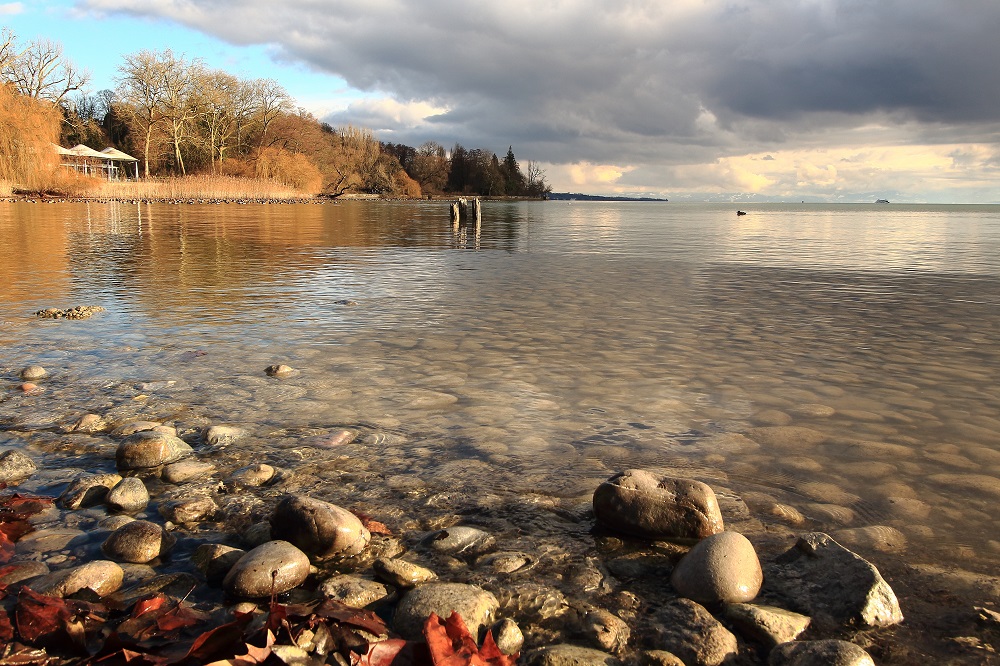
451	644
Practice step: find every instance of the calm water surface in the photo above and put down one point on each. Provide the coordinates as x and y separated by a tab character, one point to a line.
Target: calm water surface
833	365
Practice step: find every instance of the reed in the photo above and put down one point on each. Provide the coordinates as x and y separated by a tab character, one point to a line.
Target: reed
6	188
198	187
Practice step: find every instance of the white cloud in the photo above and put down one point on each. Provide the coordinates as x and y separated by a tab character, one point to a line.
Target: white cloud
11	8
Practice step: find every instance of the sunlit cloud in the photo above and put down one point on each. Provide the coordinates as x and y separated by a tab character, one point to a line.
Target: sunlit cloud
11	8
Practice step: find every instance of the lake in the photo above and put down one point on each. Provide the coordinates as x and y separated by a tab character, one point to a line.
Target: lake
833	367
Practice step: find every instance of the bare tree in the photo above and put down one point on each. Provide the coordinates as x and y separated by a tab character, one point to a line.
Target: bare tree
40	70
8	42
271	100
179	99
140	91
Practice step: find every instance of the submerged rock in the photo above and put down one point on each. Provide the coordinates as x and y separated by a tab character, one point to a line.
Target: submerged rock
214	560
139	541
722	567
643	504
461	540
820	577
569	655
606	630
355	590
99	576
33	373
321	529
150	449
826	652
766	624
88	490
402	573
476	606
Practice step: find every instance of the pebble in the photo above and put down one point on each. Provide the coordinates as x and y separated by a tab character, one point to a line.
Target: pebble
689	631
356	591
220	434
128	496
279	370
139	541
89	423
507	562
321	529
184	471
723	567
643	504
33	373
250	476
15	467
214	560
606	630
569	655
476	606
271	568
88	490
508	636
100	576
402	573
766	624
461	540
150	449
827	652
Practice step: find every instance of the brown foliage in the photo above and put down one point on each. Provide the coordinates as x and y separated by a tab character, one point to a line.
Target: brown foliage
288	168
28	128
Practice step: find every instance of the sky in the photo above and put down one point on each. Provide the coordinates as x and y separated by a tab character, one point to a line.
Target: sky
701	100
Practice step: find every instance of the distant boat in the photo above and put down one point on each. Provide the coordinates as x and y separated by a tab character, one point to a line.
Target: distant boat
741	212
882	201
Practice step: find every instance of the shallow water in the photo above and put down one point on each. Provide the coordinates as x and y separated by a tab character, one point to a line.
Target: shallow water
561	343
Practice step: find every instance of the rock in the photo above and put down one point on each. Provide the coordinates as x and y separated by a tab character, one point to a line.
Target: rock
476	606
271	568
355	591
279	370
128	496
606	630
722	567
257	534
89	423
112	523
219	434
508	636
402	573
15	467
48	540
569	655
827	652
16	572
139	541
766	624
659	658
882	538
689	631
88	490
100	576
321	529
123	431
33	373
214	560
823	579
507	562
533	601
642	504
251	476
461	540
187	470
150	449
189	511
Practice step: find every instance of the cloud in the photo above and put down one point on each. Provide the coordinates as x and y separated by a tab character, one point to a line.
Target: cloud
11	8
637	82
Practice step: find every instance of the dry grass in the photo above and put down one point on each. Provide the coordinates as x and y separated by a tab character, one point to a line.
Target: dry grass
6	188
197	187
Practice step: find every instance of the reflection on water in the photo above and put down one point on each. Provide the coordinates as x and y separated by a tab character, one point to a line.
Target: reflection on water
834	365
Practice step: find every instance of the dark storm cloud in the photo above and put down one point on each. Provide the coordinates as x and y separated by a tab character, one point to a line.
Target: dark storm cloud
631	80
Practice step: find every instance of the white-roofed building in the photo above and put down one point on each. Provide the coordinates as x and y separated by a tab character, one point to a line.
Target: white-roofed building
109	163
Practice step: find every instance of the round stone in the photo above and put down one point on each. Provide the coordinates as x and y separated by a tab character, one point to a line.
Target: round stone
321	529
402	573
150	449
722	567
33	373
88	490
830	652
215	560
279	370
129	496
270	568
139	541
100	576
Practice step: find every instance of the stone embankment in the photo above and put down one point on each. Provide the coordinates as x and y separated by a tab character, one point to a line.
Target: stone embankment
168	518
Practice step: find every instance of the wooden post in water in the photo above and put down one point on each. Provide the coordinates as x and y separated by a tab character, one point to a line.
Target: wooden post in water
456	215
463	211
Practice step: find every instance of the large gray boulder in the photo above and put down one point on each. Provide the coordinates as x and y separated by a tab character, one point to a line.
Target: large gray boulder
835	586
320	529
644	504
